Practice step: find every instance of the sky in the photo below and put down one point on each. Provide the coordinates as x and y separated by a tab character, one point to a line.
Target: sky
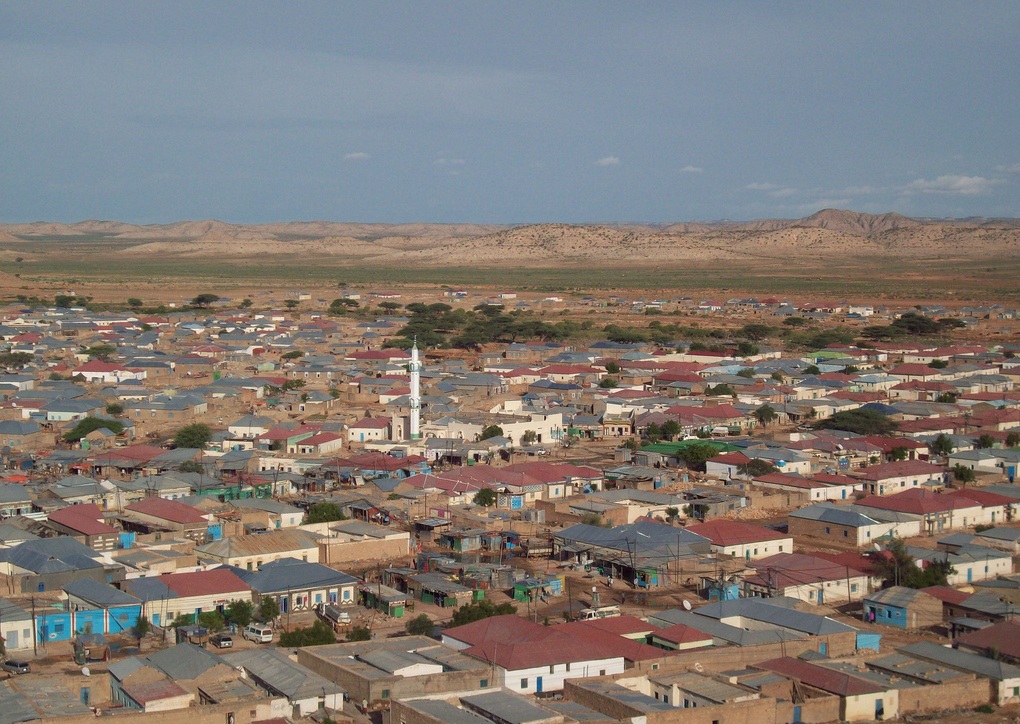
506	112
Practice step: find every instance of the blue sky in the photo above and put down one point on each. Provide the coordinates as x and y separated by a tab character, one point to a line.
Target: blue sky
512	112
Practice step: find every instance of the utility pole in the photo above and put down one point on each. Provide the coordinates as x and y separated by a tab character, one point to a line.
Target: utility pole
35	633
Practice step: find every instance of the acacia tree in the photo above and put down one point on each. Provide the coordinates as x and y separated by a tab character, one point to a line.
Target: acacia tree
486	497
195	435
941	445
765	414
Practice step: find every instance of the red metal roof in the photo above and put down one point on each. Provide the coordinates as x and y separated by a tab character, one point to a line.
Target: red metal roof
820	677
205	583
170	510
734	532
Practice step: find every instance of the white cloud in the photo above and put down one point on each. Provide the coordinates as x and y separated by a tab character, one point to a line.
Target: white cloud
608	161
784	193
950	184
692	169
1012	168
357	156
755	186
860	190
449	161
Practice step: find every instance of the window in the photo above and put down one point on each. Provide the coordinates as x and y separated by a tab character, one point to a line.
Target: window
385	693
853	588
483	684
524	683
827	530
552	668
602	672
846	534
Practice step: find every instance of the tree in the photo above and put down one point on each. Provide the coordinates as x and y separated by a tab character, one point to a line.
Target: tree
65	301
204	300
324	512
755	332
191	466
212	620
795	321
653	433
696	455
984	442
114	408
594	519
899	453
359	633
1012	439
91	424
608	383
239	612
941	445
195	435
15	360
292	304
747	349
765	414
672	513
490	431
486	497
758	467
420	625
612	368
246	303
898	568
183	619
862	421
293	354
477	610
142	628
812	370
390	306
671	428
134	302
529	437
102	352
318	634
963	474
269	609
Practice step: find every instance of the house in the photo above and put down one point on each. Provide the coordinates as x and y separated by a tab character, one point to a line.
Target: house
896	477
47	564
1004	678
253	551
742	540
370	429
999	640
274	672
160	514
297	585
86	523
935	512
530	658
14	500
811	579
906	608
850	524
813	489
170	595
99	608
859	699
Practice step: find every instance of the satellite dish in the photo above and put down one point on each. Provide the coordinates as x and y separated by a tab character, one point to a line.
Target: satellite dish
877	547
698	667
687	605
85	671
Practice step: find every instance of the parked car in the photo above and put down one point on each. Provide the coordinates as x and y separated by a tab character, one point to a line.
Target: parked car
17	667
221	641
258	633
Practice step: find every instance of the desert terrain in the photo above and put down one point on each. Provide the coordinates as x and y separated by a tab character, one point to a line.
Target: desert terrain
838	253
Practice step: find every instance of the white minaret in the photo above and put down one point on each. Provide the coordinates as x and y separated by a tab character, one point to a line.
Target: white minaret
415	369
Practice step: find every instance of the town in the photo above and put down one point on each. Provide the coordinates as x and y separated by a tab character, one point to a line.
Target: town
453	505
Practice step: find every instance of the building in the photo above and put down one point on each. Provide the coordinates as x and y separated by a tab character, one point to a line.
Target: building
742	540
901	607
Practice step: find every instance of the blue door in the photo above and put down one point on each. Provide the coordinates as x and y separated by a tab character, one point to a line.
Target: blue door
823	648
970	574
796	714
538	685
155	619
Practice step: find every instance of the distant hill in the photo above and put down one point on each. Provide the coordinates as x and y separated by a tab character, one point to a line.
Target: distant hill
829	233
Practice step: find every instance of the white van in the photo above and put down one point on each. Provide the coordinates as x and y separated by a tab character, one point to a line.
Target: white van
590	614
258	633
